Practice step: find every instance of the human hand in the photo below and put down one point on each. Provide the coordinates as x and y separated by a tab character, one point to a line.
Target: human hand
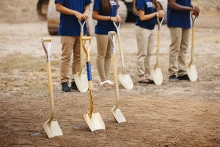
161	14
86	15
195	11
79	16
114	19
118	18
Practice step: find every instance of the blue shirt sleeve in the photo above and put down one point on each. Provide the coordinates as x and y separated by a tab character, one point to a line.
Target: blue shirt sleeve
59	1
148	8
140	5
96	6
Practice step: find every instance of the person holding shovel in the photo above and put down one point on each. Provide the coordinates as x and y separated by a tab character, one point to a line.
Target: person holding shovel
178	22
69	29
105	12
147	12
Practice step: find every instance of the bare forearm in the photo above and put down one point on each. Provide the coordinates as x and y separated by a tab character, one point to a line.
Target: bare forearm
87	8
144	17
96	16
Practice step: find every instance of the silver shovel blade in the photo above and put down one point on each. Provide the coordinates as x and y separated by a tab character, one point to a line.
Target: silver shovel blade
81	82
156	75
52	129
119	117
125	80
95	122
192	72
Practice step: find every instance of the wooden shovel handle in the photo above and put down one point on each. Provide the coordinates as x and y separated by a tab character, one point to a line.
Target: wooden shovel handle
117	26
193	36
50	87
115	80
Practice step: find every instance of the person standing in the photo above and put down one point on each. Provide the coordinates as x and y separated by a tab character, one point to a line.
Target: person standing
178	22
71	11
147	12
105	12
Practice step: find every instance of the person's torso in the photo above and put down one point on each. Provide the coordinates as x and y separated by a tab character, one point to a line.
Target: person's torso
179	18
148	8
103	27
69	24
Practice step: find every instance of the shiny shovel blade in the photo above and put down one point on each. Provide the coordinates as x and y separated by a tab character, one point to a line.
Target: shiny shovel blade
52	129
156	75
192	72
119	117
125	80
94	123
81	82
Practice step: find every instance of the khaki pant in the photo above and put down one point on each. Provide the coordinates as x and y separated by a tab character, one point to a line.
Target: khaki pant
145	42
177	51
70	45
103	60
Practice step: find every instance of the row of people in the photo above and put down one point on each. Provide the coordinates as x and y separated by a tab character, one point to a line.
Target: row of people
106	12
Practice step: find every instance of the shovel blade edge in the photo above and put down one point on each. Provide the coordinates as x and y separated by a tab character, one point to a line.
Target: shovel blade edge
192	73
94	123
81	82
52	129
119	117
126	81
156	75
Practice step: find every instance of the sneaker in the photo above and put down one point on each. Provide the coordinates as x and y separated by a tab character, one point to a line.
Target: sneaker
65	87
73	86
173	78
183	77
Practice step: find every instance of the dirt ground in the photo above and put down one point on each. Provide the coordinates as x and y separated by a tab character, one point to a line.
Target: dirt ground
173	114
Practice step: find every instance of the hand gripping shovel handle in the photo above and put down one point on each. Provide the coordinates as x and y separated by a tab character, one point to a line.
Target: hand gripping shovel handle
48	67
158	40
88	68
193	35
112	36
117	26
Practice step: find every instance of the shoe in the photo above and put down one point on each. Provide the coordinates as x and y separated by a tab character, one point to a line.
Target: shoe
173	78
107	83
65	87
183	77
73	86
147	81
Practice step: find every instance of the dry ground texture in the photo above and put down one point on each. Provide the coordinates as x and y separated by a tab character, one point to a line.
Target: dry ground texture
173	114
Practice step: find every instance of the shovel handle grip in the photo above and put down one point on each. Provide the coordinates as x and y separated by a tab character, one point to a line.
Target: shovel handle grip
86	38
159	22
89	72
47	39
193	18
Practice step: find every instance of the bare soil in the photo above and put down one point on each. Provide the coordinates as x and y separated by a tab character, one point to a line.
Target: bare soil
173	114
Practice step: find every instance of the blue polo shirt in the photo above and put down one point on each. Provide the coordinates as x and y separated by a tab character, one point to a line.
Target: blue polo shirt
179	19
69	25
147	7
103	27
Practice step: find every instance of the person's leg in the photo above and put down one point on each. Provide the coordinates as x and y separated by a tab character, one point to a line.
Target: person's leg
175	35
76	63
67	47
142	36
76	56
102	45
149	54
107	64
183	51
